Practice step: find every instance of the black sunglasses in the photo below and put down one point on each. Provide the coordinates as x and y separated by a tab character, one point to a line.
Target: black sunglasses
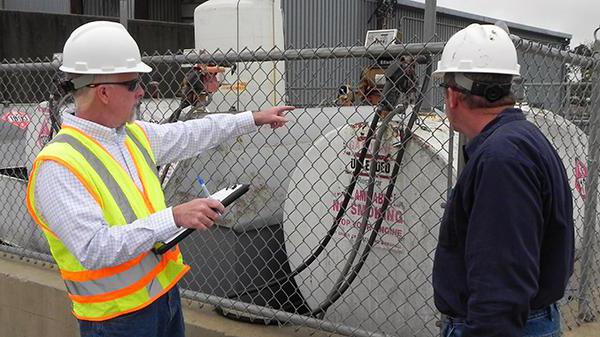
454	87
132	85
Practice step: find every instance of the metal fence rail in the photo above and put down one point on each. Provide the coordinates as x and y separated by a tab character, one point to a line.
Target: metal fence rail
316	242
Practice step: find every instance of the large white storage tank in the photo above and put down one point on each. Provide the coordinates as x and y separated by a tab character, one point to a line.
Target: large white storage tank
33	127
243	25
393	291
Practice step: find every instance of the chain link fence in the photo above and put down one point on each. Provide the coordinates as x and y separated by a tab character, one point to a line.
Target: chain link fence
339	228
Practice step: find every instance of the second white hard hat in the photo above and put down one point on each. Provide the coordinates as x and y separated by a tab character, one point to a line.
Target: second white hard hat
479	49
102	47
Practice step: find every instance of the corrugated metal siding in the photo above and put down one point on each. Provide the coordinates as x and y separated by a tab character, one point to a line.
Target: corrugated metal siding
101	7
161	10
330	23
410	23
313	23
158	10
46	6
533	67
318	23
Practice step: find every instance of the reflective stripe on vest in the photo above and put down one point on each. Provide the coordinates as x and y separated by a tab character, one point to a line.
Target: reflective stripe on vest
143	151
114	282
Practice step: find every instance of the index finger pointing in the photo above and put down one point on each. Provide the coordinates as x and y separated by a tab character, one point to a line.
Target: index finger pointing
286	108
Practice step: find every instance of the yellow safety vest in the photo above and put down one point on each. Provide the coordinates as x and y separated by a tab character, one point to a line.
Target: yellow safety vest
105	293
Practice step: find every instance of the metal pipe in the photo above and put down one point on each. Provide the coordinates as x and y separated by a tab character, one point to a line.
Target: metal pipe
27	253
258	56
302	54
585	311
124	12
279	315
429	35
525	45
38	66
410	49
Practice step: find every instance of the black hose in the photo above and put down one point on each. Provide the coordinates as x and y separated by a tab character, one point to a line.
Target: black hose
369	203
405	138
177	113
390	95
334	226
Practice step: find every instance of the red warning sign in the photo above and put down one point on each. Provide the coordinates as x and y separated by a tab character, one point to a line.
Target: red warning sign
581	173
19	119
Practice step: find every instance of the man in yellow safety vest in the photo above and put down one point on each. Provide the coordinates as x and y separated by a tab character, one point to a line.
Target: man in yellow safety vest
94	189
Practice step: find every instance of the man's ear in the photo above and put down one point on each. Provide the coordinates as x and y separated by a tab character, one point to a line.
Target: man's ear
454	98
102	94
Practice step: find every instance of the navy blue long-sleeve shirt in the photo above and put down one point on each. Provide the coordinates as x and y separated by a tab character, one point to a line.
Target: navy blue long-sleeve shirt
506	240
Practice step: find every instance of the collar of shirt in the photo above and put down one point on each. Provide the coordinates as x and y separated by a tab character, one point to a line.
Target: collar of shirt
506	116
99	132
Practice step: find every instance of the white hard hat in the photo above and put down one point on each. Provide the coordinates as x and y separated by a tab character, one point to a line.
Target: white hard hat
479	49
102	47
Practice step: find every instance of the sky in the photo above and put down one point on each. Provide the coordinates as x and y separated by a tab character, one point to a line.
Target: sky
576	17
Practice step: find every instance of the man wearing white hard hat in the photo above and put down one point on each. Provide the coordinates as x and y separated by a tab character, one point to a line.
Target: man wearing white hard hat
94	190
506	241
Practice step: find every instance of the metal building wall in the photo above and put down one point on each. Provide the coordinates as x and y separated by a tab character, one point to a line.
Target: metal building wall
101	7
318	23
548	96
46	6
162	10
158	10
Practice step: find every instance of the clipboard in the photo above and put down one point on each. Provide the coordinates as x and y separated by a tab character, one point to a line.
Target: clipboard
226	196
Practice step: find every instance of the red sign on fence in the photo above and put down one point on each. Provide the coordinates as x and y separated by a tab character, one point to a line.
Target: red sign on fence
581	173
19	119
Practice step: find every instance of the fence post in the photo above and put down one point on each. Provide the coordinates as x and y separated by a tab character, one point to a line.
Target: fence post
430	19
590	215
124	12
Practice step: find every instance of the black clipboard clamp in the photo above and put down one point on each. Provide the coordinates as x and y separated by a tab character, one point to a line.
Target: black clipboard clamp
226	196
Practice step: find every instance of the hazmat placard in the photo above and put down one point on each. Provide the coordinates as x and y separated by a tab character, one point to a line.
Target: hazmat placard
17	118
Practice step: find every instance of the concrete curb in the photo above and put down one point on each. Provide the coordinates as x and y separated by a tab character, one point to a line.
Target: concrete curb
33	303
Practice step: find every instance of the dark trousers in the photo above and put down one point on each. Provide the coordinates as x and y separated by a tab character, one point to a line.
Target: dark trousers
163	318
540	323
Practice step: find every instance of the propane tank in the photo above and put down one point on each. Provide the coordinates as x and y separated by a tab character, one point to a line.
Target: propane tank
243	25
392	293
26	129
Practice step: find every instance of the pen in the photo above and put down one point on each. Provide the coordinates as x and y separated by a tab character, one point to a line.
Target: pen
204	189
203	186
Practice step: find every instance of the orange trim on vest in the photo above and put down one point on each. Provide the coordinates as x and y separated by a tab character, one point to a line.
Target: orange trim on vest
113	295
90	275
137	167
36	219
68	166
29	204
143	131
150	301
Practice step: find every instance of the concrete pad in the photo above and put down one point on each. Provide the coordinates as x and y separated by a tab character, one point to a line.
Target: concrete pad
33	303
